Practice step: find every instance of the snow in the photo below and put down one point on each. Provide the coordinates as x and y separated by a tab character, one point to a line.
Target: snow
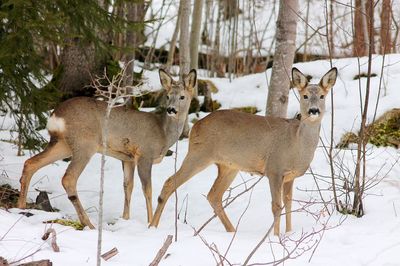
370	240
256	25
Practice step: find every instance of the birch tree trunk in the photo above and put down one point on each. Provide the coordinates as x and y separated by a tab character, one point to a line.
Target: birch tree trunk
285	48
195	33
184	53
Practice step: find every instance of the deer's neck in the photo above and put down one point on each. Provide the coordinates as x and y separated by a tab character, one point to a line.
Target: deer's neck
308	136
173	128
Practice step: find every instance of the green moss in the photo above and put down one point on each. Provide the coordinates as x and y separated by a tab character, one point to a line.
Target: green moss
247	109
75	224
385	131
346	139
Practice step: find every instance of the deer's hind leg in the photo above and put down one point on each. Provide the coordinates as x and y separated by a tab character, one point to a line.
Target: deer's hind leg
129	169
56	150
80	158
225	177
193	163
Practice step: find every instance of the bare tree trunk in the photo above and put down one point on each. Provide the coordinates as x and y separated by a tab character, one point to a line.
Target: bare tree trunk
218	67
359	48
331	35
77	65
172	47
195	33
285	48
369	24
184	53
386	19
360	175
305	53
135	13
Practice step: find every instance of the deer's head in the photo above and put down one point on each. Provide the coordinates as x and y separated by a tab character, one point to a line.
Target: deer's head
179	93
312	96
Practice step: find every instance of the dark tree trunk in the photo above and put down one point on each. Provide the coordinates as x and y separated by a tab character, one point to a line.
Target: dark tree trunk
77	67
135	13
386	19
359	48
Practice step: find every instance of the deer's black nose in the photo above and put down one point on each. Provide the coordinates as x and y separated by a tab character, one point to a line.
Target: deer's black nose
313	111
171	110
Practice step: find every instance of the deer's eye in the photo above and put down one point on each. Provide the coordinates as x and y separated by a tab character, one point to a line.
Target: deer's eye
182	97
321	97
167	97
305	96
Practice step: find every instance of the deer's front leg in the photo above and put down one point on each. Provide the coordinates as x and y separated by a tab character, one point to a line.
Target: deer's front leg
129	169
275	185
287	201
144	169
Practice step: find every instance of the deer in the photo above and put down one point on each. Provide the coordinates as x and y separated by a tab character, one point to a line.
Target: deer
136	138
281	149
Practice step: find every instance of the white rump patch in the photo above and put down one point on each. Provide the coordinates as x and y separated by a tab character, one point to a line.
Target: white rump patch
56	124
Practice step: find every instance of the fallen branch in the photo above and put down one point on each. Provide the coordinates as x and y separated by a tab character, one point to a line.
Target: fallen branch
52	232
38	263
109	254
162	251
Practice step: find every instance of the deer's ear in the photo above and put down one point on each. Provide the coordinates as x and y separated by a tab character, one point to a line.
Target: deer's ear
298	79
329	79
165	79
190	80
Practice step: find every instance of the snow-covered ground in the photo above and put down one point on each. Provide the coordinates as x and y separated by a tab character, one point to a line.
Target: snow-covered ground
371	240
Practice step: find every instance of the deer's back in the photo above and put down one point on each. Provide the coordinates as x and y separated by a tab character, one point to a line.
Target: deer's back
247	142
130	132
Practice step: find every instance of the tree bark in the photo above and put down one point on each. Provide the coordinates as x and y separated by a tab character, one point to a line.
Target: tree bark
386	19
184	53
358	39
172	47
135	13
77	65
285	48
195	33
369	24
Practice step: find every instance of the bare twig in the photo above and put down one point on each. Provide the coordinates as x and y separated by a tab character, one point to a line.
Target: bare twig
246	262
162	251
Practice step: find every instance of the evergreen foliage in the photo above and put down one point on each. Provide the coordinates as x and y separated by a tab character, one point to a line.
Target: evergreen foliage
26	27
